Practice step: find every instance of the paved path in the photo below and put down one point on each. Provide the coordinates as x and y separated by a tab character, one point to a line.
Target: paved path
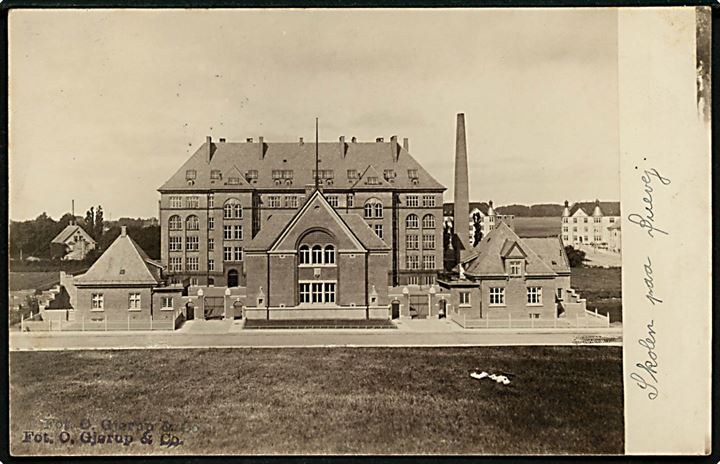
229	334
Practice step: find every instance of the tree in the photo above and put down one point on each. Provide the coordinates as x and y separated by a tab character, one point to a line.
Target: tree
90	222
447	235
98	226
477	228
575	257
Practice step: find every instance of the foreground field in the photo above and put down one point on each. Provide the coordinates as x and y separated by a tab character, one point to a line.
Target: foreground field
537	226
315	400
33	280
601	287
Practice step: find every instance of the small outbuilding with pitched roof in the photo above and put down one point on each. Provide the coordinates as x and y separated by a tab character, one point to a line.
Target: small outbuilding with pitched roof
72	243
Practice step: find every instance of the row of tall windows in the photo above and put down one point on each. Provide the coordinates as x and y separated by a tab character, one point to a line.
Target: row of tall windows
412	221
412	262
317	254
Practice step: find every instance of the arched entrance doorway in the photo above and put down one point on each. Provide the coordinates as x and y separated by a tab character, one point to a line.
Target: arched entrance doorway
232	278
395	309
442	309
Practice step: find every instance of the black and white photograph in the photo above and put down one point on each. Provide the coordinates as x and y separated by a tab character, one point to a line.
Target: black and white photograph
358	231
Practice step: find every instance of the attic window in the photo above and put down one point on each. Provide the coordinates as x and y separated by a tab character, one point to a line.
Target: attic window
191	174
352	174
554	263
122	271
324	174
389	174
413	173
233	180
251	175
215	174
372	180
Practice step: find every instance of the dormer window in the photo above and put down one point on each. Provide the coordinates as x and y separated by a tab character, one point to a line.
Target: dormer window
233	180
372	180
251	175
191	174
389	174
352	174
413	173
515	267
215	174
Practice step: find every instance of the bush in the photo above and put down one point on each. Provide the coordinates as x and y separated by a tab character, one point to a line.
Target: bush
575	257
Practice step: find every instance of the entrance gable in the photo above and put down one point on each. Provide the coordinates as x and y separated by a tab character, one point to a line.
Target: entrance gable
317	214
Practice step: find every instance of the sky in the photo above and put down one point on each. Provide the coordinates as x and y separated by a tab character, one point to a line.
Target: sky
105	105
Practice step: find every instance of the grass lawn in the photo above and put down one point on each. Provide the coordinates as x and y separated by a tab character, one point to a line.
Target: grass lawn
601	287
537	226
328	400
33	280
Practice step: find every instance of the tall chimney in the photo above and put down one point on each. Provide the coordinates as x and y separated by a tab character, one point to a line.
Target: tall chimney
395	148
261	150
343	147
123	231
461	214
208	148
406	144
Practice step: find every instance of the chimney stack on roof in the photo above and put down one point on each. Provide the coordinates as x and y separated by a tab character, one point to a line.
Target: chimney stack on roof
343	147
406	144
208	148
222	140
261	142
123	231
249	140
379	139
301	141
353	140
394	148
462	191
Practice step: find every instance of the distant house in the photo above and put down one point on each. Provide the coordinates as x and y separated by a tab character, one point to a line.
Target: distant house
615	238
486	215
589	223
72	243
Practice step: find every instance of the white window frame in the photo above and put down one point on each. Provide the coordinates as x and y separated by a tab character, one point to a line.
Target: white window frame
313	292
211	223
97	302
134	301
428	221
428	241
515	264
238	232
227	232
428	201
176	201
428	262
412	242
534	296
164	301
227	254
192	263
378	228
412	201
175	264
175	243
464	298
192	243
211	264
497	296
237	254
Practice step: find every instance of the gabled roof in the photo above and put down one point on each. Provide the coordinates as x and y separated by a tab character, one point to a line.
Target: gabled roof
278	226
487	257
123	263
369	172
511	249
551	251
69	231
608	208
300	158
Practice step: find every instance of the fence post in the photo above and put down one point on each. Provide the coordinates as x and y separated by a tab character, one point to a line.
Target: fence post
128	321
555	322
22	323
151	318
577	321
105	319
82	322
509	321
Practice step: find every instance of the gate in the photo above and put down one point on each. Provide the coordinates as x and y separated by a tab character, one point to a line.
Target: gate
214	307
419	306
395	309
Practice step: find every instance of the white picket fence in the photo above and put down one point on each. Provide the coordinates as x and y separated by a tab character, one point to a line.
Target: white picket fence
588	320
85	324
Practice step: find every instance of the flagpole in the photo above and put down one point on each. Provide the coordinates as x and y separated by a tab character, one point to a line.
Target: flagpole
317	157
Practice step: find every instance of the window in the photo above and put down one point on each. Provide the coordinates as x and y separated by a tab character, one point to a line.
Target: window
274	201
324	174
211	264
176	201
175	243
134	301
411	222
317	254
585	220
412	201
352	174
192	263
175	263
227	210
211	244
350	200
565	229
166	302
317	292
534	295
411	242
565	238
492	219
211	223
304	293
175	223
389	174
329	254
597	220
190	174
215	174
464	298
378	228
412	173
574	228
227	253
238	233
211	200
428	221
598	238
560	293
329	294
412	262
428	261
291	201
428	201
192	223
194	281
227	232
612	219
515	267
333	200
192	243
428	241
372	180
238	254
373	208
574	220
252	174
585	229
237	211
304	254
497	296
193	201
565	220
233	180
97	302
413	280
